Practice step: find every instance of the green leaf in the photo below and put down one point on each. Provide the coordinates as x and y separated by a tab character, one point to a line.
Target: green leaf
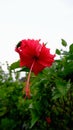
35	118
64	43
3	111
71	48
58	51
55	94
15	65
24	69
61	89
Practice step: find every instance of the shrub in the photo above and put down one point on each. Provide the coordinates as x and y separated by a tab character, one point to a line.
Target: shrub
50	106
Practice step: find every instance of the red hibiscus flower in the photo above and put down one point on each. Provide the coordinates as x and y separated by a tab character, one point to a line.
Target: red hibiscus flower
32	51
34	55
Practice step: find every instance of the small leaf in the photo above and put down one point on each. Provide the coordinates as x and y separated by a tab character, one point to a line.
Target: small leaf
58	51
64	43
24	69
35	118
15	65
71	48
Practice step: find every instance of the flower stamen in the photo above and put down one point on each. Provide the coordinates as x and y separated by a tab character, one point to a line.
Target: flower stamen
27	87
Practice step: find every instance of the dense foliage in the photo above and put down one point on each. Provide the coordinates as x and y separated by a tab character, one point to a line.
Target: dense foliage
51	104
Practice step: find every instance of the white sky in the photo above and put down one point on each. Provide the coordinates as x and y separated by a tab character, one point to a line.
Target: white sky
48	20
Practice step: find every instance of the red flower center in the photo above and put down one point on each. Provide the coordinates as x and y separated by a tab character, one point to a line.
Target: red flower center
35	58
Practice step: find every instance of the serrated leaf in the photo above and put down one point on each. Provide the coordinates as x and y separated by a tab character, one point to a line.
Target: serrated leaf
64	43
58	51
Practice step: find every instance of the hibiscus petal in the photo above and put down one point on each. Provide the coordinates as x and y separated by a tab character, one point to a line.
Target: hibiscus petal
37	68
